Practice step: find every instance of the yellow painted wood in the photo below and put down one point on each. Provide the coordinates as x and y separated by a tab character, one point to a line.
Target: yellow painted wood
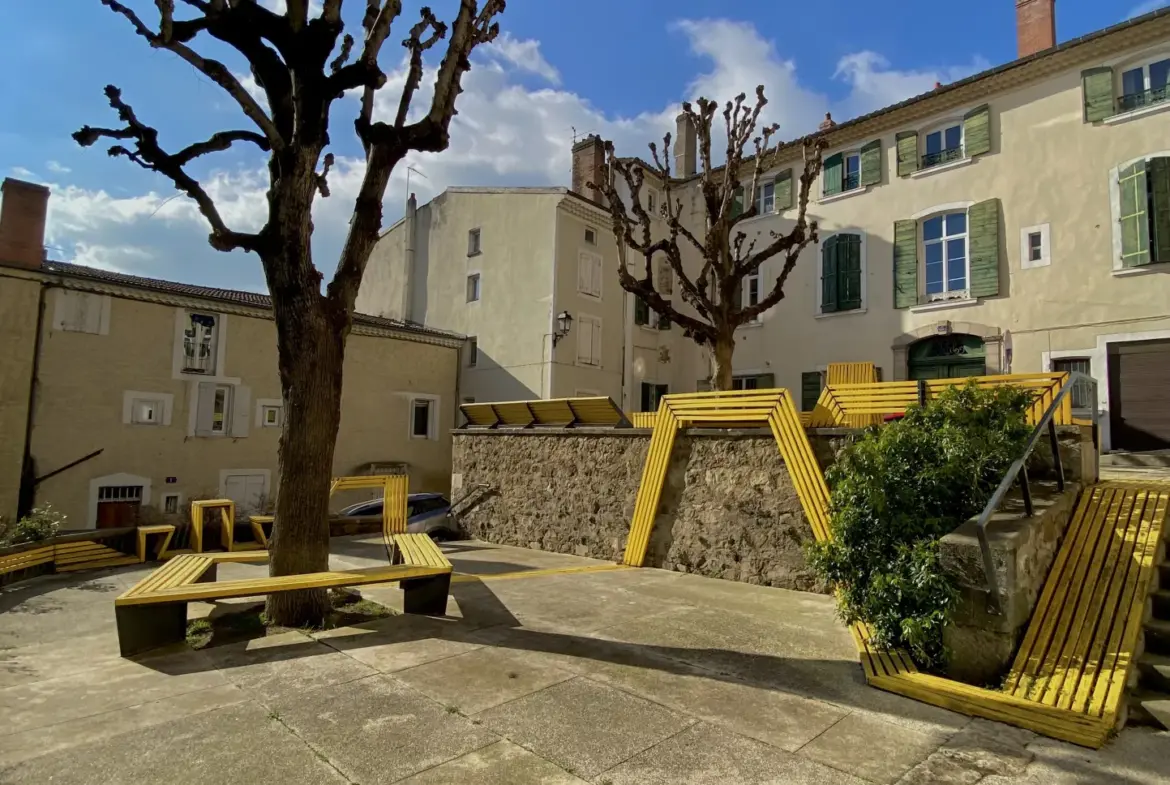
258	522
599	412
165	531
34	557
394	496
650	488
115	561
238	557
642	419
200	509
174	572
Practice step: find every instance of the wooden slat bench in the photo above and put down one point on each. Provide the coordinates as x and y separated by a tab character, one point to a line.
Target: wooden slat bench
164	531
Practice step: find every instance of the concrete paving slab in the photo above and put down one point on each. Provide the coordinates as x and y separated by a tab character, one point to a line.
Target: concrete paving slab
400	642
502	763
50	660
851	744
481	679
797	607
378	730
582	726
84	730
237	744
287	663
707	755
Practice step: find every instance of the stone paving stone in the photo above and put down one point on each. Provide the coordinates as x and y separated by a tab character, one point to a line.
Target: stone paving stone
706	755
584	727
481	679
851	743
377	730
51	660
502	763
400	642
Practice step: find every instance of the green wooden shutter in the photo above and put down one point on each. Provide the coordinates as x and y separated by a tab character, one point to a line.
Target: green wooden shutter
834	166
905	264
983	248
737	203
1160	221
871	163
849	272
783	190
977	131
766	381
907	142
1097	84
829	259
1135	221
663	322
810	390
641	311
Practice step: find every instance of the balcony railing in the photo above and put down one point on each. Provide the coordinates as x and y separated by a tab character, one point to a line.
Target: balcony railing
1133	101
850	181
942	157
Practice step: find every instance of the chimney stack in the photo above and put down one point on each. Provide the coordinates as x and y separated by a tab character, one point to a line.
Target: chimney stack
1035	26
22	223
686	147
827	123
588	156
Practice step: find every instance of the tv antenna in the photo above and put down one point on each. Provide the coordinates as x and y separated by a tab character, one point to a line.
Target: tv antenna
410	169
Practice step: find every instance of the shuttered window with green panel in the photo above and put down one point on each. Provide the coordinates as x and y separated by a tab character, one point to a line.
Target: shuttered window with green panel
849	171
641	312
907	145
783	190
1144	212
841	273
737	203
811	384
905	263
983	230
977	132
1097	90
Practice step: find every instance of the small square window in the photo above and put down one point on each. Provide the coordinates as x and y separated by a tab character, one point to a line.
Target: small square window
146	412
473	288
473	242
171	503
590	237
472	351
1035	249
420	418
271	416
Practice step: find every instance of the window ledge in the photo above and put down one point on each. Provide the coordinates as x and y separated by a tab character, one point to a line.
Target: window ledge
1145	269
831	314
943	304
845	194
1134	114
753	323
942	167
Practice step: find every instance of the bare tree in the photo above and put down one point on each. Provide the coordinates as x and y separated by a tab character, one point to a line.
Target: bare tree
303	65
727	256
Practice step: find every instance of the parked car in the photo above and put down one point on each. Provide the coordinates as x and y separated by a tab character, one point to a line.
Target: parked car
426	513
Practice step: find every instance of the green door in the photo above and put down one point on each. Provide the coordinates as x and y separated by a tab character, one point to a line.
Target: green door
947	357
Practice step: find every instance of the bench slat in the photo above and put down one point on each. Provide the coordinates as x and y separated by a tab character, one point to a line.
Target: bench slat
163	575
420	549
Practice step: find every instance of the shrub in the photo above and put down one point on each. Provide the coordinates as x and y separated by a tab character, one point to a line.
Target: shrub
40	524
896	491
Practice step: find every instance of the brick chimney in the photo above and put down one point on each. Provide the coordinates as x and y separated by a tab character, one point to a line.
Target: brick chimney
686	147
23	210
1035	26
588	156
828	123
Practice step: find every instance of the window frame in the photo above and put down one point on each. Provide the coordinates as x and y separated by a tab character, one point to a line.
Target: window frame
845	156
941	128
432	403
946	294
178	497
274	422
163	402
656	392
1118	267
474	241
818	295
1045	259
201	335
651	202
1143	65
472	351
746	294
477	277
590	235
768	183
1087	390
225	420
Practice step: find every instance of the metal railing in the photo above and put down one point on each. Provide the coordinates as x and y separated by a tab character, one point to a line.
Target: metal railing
942	157
1019	468
1145	98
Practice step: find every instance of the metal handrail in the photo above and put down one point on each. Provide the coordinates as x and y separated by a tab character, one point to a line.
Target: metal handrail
1018	468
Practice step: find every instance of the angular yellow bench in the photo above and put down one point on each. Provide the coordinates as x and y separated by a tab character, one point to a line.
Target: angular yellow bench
153	612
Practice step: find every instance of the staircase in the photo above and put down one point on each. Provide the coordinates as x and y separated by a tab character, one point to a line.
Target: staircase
1149	702
472	496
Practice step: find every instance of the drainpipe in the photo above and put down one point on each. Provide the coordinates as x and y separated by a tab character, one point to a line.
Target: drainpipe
627	339
408	276
27	494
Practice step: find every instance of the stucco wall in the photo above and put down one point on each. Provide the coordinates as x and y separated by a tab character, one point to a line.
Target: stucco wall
18	323
728	507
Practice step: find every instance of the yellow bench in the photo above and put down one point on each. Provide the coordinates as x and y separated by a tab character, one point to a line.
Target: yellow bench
166	532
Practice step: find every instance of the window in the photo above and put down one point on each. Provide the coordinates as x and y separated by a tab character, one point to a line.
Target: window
146	408
852	177
146	412
270	416
222	410
641	312
120	493
841	273
664	279
1082	394
766	198
473	288
751	291
1035	247
944	241
589	273
651	394
422	418
473	242
588	331
1144	212
943	146
662	321
81	312
199	343
171	503
472	351
591	237
651	202
1144	85
847	171
811	384
759	381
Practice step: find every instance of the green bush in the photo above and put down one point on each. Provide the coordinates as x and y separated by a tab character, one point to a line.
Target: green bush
896	491
40	524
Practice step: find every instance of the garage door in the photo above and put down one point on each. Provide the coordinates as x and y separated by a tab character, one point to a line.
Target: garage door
1139	396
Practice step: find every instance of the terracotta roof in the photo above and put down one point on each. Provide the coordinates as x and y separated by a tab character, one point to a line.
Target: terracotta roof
231	296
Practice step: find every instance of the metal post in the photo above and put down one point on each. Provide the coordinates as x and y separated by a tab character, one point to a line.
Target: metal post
1056	464
922	392
1026	491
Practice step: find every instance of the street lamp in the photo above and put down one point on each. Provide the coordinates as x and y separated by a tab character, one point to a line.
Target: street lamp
564	324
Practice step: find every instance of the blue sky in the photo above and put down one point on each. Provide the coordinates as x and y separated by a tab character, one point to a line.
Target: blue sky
614	67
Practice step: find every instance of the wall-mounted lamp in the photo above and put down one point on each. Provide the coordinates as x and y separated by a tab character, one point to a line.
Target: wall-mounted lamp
564	324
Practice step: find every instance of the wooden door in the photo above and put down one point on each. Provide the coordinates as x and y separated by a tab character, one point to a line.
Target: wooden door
116	514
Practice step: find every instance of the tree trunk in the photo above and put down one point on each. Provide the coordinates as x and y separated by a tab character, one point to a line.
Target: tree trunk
722	352
311	353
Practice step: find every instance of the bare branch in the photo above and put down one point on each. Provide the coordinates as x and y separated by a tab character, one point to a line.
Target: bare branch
343	55
417	45
322	182
218	142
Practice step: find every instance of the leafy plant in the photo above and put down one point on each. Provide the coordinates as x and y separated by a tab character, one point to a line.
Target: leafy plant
40	524
896	491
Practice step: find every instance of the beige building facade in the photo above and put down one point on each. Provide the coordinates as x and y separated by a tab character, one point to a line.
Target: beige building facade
119	392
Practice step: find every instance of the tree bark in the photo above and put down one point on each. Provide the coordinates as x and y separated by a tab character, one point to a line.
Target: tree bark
722	352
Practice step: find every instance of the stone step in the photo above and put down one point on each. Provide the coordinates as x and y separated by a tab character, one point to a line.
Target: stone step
1161	600
1147	707
1157	636
1156	459
1154	672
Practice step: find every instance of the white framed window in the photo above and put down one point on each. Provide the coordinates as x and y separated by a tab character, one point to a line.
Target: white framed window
222	410
1145	84
114	499
591	236
841	174
146	412
473	247
424	412
172	503
652	202
851	177
146	408
270	416
589	274
588	329
944	245
751	292
81	312
472	352
1035	250
944	144
473	288
766	198
1082	393
200	343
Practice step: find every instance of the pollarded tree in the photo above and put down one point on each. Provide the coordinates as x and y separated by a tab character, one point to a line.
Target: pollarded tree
303	64
727	255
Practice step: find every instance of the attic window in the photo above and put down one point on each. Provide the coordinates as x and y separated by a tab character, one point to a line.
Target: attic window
199	339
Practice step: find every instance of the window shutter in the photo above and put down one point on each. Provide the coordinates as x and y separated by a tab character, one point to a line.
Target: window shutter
1135	221
848	272
641	311
595	349
241	410
907	142
829	258
584	271
1160	187
1097	84
596	290
782	190
977	131
905	264
204	408
871	163
766	381
834	165
584	340
647	397
665	279
663	322
983	248
737	203
810	390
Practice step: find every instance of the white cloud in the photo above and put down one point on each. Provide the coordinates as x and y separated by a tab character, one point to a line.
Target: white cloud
57	168
20	171
874	84
523	56
1146	7
117	258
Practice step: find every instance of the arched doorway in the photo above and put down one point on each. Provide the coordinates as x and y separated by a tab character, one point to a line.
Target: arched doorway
947	357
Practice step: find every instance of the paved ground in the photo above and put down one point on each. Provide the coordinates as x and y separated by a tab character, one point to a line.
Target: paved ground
630	676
